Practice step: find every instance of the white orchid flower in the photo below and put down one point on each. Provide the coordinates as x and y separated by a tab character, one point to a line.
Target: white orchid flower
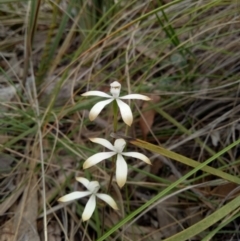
93	188
125	110
117	149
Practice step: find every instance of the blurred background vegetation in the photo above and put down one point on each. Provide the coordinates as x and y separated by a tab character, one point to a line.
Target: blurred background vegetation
184	54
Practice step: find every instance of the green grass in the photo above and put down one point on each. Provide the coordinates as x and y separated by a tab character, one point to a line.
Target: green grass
185	52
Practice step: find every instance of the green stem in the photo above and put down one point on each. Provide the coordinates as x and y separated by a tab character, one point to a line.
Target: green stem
115	125
114	158
115	116
111	175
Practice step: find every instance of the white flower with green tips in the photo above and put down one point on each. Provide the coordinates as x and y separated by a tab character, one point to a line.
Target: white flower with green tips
116	149
92	188
124	108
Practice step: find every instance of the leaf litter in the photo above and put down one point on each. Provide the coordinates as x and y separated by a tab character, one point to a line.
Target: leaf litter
200	93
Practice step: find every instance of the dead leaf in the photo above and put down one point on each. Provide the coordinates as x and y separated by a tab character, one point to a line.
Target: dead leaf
4	138
112	219
54	231
157	165
224	190
6	204
27	213
143	233
7	233
147	118
134	232
195	215
169	215
5	162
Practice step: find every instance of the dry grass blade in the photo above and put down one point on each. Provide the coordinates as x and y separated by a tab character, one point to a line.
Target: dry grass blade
25	220
184	52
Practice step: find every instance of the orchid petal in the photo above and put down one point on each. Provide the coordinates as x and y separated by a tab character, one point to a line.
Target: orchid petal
97	108
134	96
119	144
89	208
83	180
109	200
103	142
125	111
121	171
115	89
96	93
96	158
93	186
138	156
73	196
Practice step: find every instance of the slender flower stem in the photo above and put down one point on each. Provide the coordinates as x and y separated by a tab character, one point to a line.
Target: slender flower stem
115	116
112	172
108	190
115	124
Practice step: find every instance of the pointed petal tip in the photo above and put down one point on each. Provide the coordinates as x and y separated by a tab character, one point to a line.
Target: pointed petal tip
115	207
85	165
103	142
121	181
120	184
138	156
148	162
73	196
61	199
89	208
97	108
129	123
96	93
96	158
80	179
83	180
84	219
135	96
146	98
92	117
108	199
125	111
121	171
65	198
87	214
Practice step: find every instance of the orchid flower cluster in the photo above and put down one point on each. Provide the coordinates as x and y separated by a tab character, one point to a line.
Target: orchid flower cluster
116	149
